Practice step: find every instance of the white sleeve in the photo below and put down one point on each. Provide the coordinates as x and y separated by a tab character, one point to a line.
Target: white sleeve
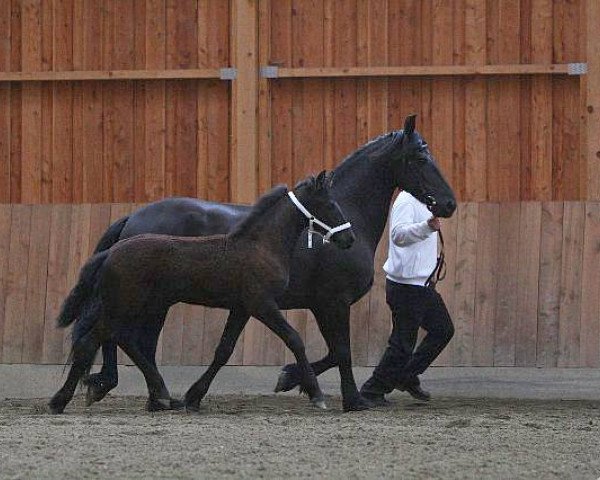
405	231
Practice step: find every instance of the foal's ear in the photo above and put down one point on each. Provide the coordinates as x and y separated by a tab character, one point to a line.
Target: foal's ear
409	124
321	180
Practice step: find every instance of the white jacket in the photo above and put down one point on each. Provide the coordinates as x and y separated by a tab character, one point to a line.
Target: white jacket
412	253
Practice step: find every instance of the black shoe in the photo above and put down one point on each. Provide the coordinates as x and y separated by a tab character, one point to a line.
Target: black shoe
375	399
415	391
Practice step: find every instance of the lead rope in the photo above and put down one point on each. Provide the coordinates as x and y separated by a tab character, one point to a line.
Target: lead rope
439	272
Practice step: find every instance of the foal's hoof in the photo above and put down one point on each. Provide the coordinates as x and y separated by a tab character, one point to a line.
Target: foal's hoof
287	381
319	402
192	406
177	404
98	387
357	404
159	404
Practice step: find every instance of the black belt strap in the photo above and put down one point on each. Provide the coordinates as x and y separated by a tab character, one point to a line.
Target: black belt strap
439	272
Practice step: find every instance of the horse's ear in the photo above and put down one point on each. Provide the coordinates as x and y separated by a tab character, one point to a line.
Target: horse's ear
320	181
409	124
330	176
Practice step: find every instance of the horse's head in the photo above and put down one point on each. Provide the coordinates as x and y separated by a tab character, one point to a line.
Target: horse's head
416	171
313	193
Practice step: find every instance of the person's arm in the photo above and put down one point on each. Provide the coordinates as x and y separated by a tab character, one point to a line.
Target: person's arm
405	231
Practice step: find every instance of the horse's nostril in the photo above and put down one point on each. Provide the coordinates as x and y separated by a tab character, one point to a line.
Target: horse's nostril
451	205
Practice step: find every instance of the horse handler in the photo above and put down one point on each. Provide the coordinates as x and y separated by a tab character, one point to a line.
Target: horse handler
413	267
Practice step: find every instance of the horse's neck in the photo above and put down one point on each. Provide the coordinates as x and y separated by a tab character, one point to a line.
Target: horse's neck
364	189
279	229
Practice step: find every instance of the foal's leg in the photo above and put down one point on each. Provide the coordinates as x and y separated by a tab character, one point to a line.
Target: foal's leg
99	384
233	328
84	352
157	390
269	314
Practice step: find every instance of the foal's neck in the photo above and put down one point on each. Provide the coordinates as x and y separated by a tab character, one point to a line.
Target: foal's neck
279	229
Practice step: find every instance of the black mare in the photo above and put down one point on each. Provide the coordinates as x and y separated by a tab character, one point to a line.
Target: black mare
325	280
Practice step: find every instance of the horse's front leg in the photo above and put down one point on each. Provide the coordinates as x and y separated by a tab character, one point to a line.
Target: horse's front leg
268	313
236	321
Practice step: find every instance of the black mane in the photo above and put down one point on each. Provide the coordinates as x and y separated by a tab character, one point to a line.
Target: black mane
376	147
263	204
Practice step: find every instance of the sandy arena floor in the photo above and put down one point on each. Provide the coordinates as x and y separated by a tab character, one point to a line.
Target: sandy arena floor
239	436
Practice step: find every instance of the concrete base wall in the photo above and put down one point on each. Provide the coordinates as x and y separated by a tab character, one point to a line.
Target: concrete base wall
40	381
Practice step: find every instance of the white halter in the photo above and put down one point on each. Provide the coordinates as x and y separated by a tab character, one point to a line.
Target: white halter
312	220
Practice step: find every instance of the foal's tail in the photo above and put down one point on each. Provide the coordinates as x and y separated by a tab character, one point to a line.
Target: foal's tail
112	235
82	291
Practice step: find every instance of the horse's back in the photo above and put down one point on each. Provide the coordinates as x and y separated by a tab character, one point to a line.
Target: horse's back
184	216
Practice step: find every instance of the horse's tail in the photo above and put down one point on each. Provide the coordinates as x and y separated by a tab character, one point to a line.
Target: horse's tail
82	291
112	235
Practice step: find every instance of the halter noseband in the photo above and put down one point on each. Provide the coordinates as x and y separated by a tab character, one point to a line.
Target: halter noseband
312	220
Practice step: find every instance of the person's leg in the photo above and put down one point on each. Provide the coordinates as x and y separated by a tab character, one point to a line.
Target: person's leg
440	330
407	311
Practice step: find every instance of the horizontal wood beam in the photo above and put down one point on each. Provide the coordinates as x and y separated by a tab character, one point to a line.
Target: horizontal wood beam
196	73
417	71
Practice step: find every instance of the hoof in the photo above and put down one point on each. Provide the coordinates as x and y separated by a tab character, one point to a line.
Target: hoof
177	404
192	406
287	381
357	405
319	402
158	404
56	407
98	387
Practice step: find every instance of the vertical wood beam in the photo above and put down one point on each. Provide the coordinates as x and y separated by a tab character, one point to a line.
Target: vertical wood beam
593	100
244	101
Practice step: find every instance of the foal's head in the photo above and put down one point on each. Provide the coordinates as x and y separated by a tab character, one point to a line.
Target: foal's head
313	193
415	171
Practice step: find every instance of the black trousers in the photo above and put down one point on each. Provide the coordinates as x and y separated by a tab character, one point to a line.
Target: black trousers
412	307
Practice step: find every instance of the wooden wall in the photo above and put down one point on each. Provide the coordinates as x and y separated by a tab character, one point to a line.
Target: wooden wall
107	104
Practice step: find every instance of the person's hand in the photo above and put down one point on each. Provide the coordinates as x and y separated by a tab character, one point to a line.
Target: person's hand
434	224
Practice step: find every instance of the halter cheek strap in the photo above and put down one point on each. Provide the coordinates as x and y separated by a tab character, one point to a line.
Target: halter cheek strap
312	220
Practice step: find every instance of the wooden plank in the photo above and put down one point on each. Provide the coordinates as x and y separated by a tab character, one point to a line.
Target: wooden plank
593	99
5	223
475	97
16	284
31	126
549	283
464	289
506	291
57	287
527	281
424	71
244	101
570	282
37	272
590	289
214	322
5	138
485	284
265	132
541	103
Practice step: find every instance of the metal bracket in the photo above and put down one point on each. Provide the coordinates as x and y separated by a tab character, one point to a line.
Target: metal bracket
228	73
577	68
269	71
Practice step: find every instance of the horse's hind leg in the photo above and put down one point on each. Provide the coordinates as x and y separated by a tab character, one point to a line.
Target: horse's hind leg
157	390
84	351
233	328
270	315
